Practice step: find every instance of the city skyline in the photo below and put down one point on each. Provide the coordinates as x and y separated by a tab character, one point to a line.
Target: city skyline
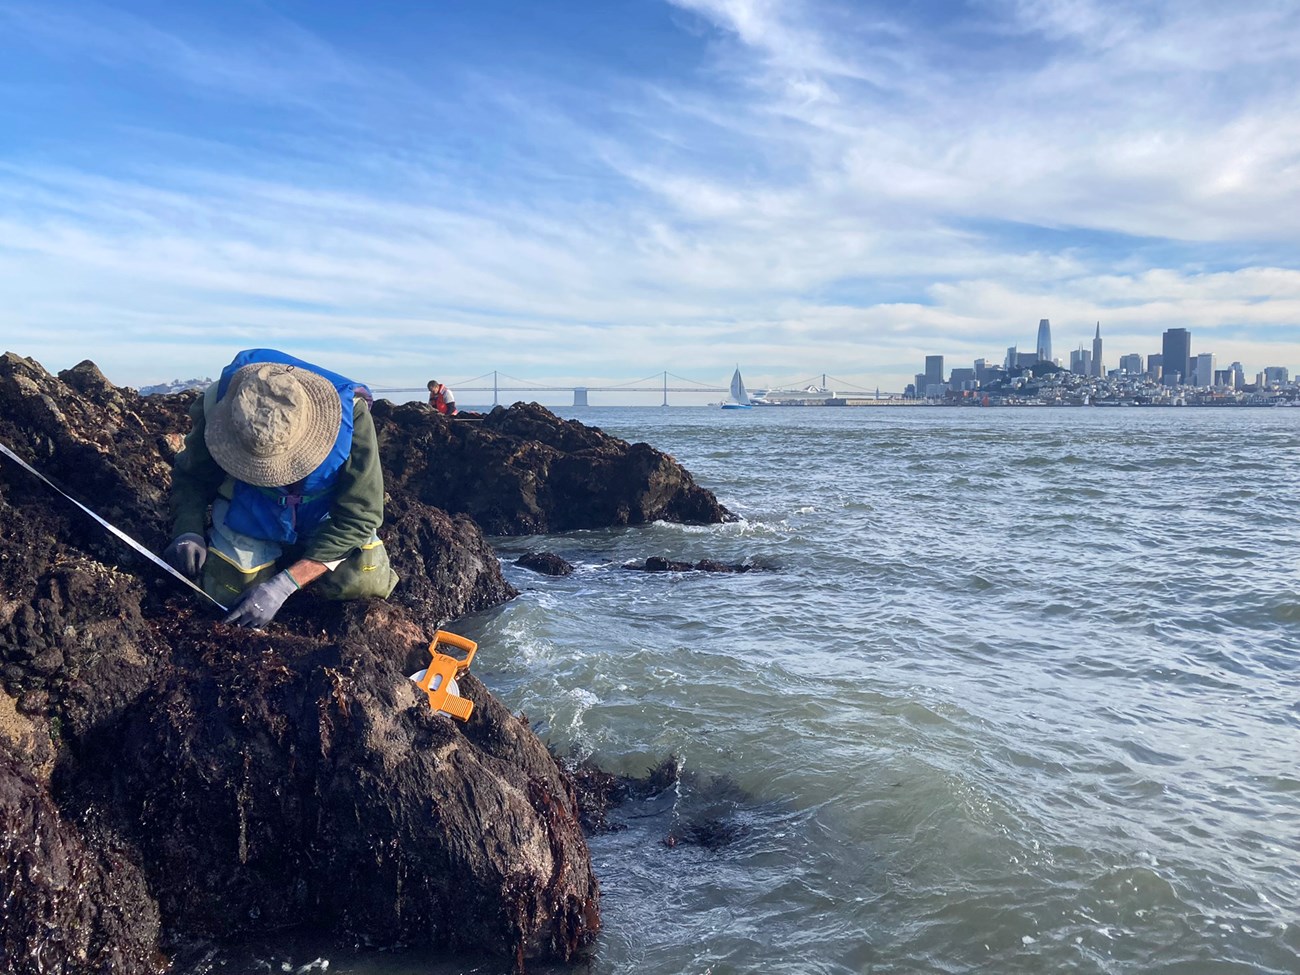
1175	347
578	191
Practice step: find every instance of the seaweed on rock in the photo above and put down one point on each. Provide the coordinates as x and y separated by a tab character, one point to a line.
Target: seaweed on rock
164	777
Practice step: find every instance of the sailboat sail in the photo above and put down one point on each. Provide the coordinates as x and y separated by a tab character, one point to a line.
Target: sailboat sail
738	390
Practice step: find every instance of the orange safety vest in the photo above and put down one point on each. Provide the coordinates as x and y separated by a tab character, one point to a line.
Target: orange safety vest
438	400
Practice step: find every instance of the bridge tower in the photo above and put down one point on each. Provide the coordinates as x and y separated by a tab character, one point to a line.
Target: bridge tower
579	395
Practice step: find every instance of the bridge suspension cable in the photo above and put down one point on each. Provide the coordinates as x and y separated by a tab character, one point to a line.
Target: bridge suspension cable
795	384
682	379
656	378
846	384
466	382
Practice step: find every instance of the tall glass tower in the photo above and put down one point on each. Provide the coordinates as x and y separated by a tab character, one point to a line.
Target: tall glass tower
1044	340
1176	350
933	373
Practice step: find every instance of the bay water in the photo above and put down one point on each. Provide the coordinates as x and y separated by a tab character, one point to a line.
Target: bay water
1009	690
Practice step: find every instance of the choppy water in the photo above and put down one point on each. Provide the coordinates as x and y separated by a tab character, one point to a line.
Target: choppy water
1020	693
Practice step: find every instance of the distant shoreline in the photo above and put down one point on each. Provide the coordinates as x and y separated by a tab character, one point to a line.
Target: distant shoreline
1059	406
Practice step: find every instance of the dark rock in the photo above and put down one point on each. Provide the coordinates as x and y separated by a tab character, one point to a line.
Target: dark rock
67	906
547	563
229	781
523	470
711	565
715	811
656	563
165	778
83	639
708	810
447	567
307	778
94	439
711	833
599	791
35	702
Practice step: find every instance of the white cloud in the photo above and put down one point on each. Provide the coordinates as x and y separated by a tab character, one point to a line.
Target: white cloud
828	190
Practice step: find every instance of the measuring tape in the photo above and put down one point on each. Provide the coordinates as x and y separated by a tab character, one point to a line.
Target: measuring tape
112	528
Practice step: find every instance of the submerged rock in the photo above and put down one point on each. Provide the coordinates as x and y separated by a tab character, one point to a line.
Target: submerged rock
547	563
706	811
657	563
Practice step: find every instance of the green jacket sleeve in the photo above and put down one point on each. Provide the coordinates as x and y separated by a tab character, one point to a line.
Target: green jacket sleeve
358	508
195	479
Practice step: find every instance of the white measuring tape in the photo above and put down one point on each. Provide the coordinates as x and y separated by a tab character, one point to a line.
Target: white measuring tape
112	528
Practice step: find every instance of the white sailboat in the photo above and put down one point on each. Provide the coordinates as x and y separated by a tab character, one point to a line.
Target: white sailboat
739	398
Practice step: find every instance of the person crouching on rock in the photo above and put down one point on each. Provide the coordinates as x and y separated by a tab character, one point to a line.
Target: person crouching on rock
442	399
284	461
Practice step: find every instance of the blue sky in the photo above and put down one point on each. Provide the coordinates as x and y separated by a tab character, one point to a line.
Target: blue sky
573	191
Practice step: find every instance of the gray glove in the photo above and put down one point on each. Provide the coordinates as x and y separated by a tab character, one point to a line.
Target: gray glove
186	554
258	605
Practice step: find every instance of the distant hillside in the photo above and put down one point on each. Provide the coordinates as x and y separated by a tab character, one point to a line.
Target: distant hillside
175	386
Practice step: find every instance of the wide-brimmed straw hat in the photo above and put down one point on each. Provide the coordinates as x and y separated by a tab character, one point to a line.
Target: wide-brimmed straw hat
275	425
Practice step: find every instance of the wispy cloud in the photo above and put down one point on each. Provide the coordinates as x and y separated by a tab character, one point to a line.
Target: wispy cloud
280	62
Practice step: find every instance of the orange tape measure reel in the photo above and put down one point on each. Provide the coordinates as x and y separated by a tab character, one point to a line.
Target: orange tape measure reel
438	680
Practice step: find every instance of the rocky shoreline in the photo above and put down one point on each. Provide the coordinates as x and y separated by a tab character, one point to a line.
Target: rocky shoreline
165	778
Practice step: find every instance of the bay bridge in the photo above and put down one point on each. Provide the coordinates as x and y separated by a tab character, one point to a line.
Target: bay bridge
658	383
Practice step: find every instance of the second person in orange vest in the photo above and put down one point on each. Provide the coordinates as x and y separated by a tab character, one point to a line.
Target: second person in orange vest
442	399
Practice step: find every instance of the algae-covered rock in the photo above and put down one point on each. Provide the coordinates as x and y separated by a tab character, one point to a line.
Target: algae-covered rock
74	899
523	470
164	777
271	780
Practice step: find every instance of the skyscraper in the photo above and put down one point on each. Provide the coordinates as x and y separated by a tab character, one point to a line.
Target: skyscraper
1176	354
1097	368
1044	340
933	374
